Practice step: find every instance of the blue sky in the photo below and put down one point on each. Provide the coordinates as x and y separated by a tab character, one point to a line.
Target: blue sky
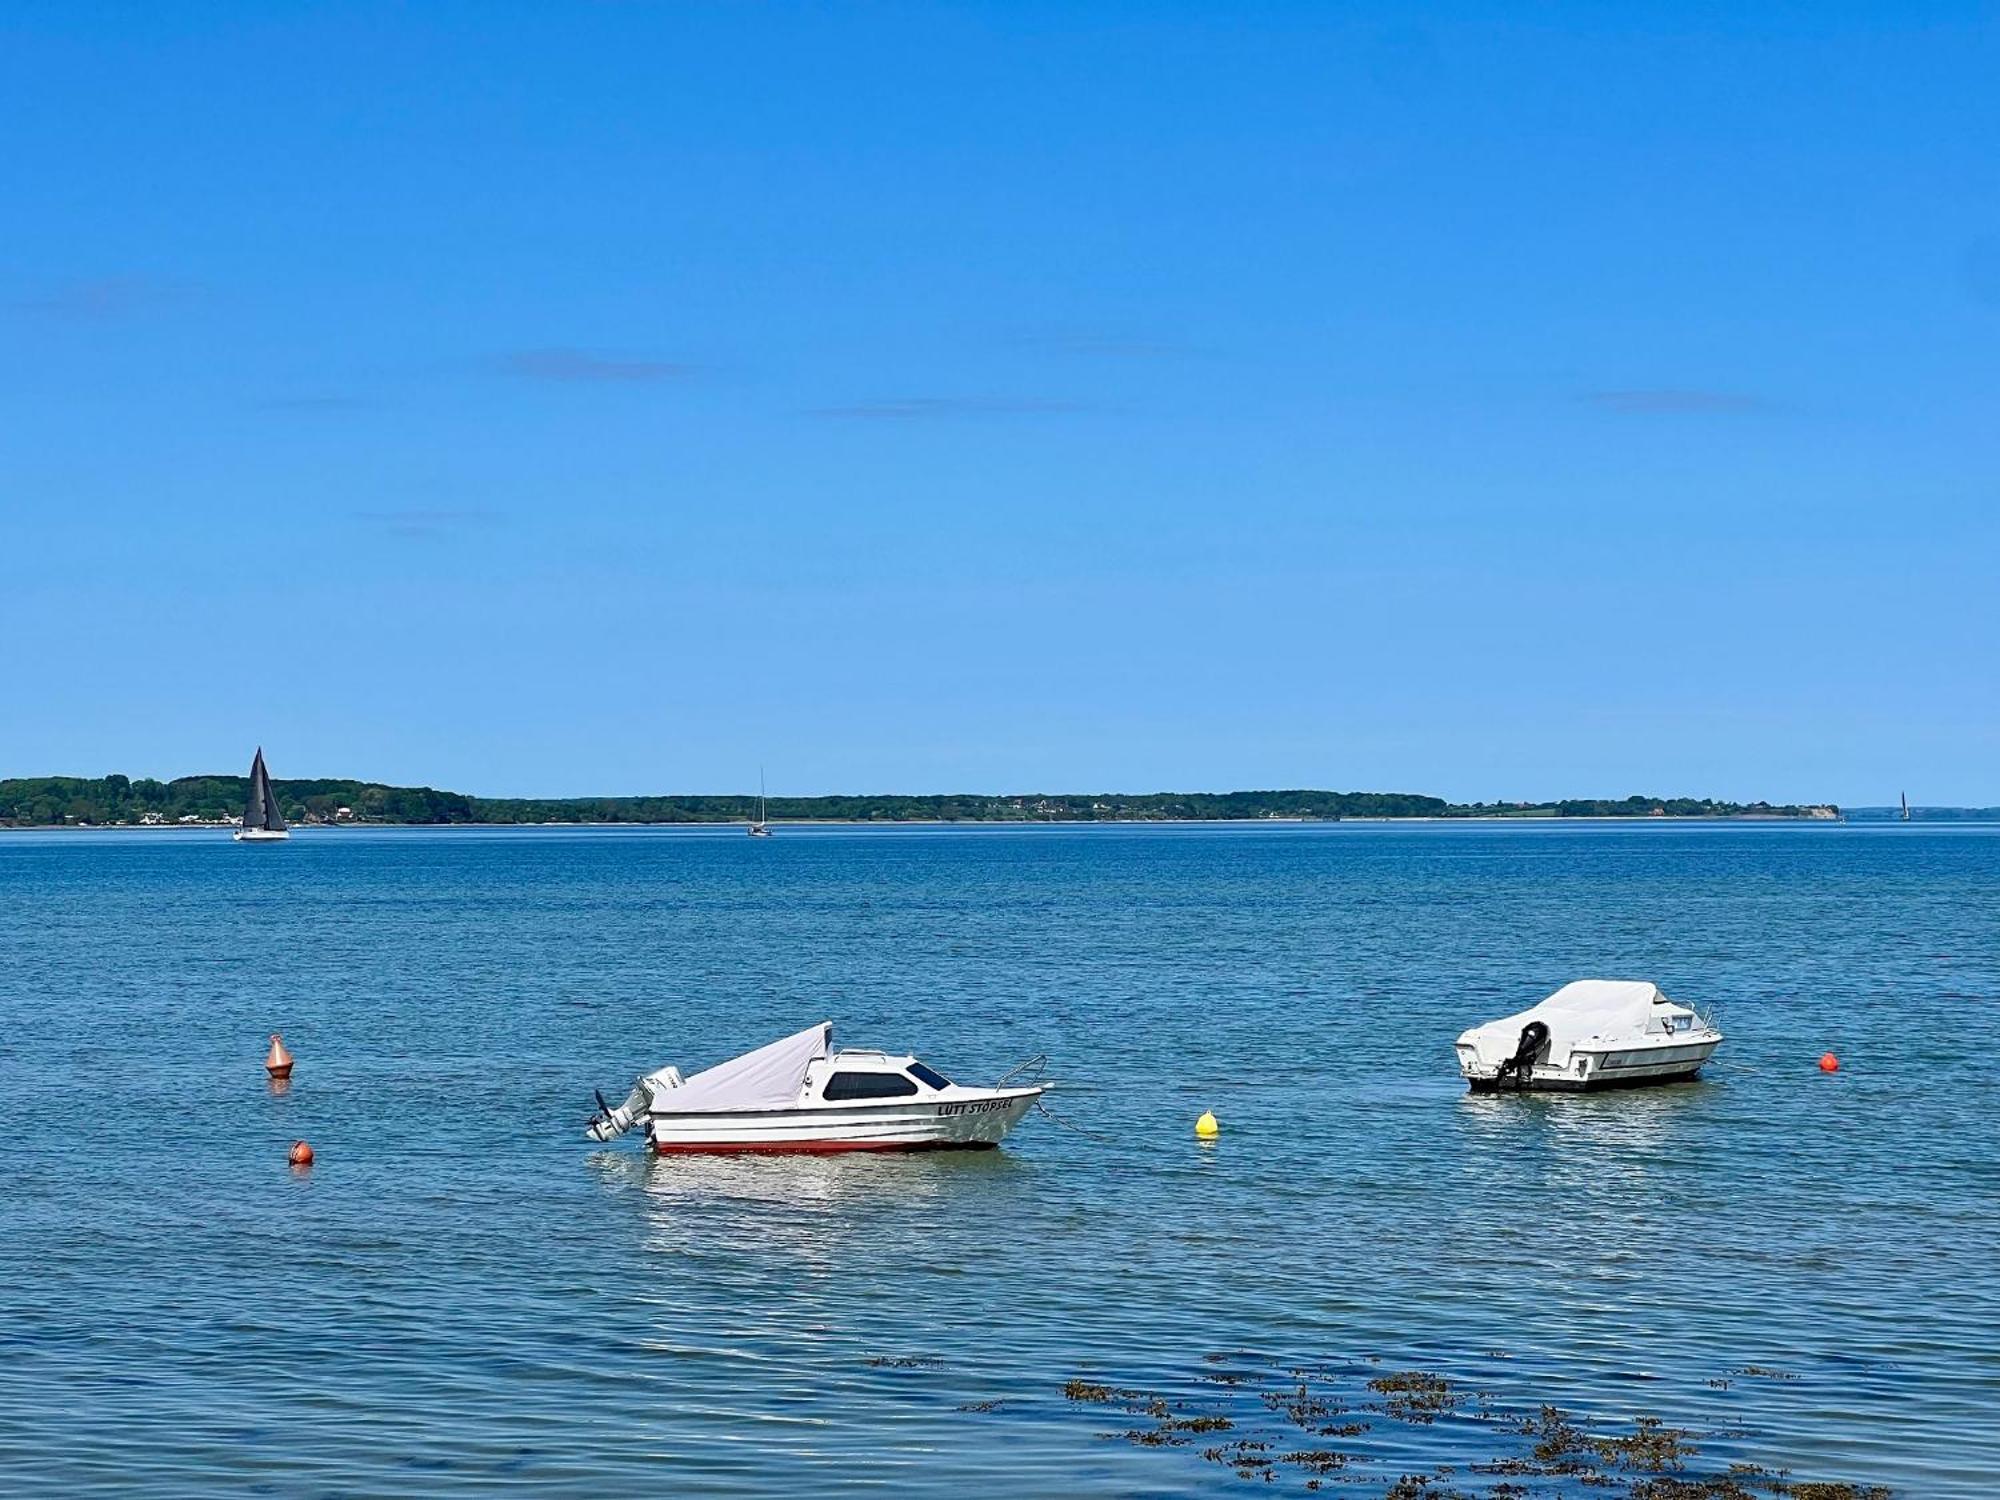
1492	401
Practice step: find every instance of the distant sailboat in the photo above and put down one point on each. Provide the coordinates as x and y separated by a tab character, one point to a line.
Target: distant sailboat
1906	807
759	829
262	822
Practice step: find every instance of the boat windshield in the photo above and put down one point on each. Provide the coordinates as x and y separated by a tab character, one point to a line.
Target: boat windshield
857	1085
930	1076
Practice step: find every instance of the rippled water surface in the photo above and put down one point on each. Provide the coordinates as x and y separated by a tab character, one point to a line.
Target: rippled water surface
463	1296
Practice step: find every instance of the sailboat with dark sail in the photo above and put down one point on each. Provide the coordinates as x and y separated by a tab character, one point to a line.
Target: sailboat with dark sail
262	822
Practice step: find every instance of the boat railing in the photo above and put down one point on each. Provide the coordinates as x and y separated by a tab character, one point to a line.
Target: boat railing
1027	1071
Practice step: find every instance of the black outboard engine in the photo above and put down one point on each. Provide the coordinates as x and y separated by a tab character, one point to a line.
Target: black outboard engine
1534	1042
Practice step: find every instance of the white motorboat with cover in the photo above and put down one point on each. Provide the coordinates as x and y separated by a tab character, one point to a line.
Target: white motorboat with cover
262	822
800	1095
1590	1034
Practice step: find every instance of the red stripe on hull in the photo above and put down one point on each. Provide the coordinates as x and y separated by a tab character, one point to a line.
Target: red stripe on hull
810	1148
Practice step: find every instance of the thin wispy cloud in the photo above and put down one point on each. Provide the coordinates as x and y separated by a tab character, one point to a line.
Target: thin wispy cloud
920	408
96	298
421	522
581	367
1673	400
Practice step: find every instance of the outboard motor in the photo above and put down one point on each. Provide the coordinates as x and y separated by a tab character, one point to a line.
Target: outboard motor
1534	1041
609	1123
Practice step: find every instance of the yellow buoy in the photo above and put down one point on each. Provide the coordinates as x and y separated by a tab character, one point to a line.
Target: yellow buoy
1206	1127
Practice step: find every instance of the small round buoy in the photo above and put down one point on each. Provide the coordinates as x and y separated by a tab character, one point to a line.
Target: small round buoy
279	1062
1828	1063
302	1154
1206	1126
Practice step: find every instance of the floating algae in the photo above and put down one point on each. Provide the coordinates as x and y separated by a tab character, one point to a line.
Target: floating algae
1311	1412
1245	1456
1280	1439
1653	1447
1419	1487
1416	1395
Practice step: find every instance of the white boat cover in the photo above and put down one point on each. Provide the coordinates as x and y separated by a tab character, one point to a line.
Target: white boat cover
769	1078
1583	1011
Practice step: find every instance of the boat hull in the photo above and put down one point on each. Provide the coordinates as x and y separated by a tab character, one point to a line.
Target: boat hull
259	836
1593	1071
927	1124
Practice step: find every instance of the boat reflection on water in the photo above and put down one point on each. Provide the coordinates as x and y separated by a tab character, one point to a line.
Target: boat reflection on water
1640	1123
1593	1154
811	1209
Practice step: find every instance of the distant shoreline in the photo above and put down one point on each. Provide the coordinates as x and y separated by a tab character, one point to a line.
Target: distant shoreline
726	824
213	801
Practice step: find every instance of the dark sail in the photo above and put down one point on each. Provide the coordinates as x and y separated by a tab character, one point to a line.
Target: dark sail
253	810
274	821
261	811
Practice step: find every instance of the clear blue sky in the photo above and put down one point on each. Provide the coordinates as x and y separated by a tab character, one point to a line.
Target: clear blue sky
612	397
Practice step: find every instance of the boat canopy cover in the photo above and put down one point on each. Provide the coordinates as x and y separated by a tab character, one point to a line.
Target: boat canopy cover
769	1078
1584	1010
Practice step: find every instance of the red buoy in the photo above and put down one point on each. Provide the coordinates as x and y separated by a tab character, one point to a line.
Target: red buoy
279	1063
302	1154
1828	1063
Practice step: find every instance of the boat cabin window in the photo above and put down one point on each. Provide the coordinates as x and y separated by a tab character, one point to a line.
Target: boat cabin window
930	1076
867	1086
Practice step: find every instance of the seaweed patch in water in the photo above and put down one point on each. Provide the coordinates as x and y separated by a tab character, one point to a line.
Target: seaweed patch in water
1152	1437
1281	1436
1419	1487
1560	1445
1653	1447
1245	1456
1310	1411
1416	1396
1318	1460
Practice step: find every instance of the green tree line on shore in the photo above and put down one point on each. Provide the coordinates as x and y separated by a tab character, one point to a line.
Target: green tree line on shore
109	801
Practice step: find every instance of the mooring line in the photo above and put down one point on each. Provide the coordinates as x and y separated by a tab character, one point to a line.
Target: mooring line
1089	1135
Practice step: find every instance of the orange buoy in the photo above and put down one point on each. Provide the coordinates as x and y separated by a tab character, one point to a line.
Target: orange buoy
279	1063
1828	1063
302	1154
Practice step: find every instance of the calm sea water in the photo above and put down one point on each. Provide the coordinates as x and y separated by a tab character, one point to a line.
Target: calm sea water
463	1296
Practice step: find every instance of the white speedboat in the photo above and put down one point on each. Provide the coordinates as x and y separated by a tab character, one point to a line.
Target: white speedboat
1590	1034
800	1095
